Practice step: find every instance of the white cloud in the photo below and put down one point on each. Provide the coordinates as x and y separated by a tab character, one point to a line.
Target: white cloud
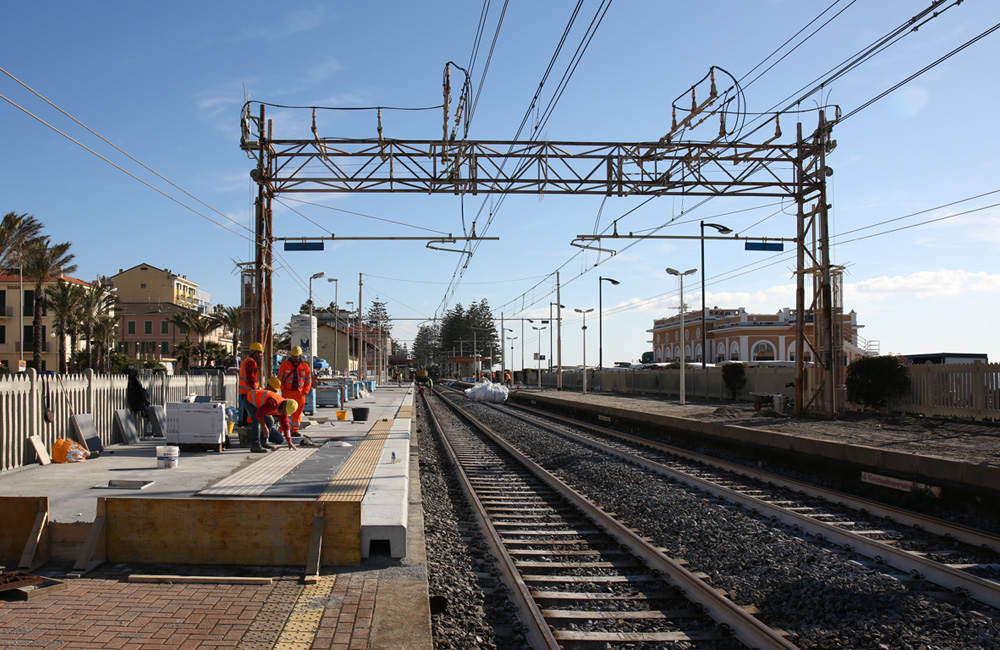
921	285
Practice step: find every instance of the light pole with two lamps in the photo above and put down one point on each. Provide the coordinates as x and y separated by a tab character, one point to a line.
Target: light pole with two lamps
600	318
584	328
704	335
512	339
538	357
336	321
682	337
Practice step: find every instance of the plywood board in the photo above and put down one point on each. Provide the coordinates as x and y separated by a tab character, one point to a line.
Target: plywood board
251	532
40	450
158	417
19	516
85	431
125	426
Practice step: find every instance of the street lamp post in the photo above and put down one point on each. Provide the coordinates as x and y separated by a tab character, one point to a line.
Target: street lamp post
682	337
312	338
551	328
600	318
512	339
350	304
538	358
704	335
336	321
584	328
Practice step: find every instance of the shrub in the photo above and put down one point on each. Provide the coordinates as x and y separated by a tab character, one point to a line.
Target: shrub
873	381
734	376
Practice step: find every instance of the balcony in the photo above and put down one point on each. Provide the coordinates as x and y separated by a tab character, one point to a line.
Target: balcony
17	346
7	311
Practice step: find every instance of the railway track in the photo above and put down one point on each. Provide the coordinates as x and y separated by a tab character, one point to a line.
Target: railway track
582	579
958	558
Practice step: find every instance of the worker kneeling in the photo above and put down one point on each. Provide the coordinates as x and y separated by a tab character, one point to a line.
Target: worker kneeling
296	382
262	403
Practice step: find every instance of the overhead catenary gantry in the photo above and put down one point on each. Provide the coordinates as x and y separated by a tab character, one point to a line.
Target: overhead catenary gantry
667	167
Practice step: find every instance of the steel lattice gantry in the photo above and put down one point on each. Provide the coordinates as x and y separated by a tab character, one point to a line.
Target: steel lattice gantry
663	168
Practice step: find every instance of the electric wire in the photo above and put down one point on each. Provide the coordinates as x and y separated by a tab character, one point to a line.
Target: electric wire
359	214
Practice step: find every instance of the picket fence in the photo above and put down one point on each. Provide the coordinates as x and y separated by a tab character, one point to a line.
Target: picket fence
25	397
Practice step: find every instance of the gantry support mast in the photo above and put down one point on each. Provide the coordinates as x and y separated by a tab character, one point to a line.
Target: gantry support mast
662	168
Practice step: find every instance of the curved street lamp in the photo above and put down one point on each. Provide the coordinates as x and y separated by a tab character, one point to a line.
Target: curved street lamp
584	328
704	335
683	357
538	356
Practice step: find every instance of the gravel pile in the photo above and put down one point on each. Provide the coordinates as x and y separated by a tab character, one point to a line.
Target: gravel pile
475	612
827	600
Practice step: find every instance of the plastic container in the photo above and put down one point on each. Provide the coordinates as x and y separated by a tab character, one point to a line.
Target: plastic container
359	413
341	415
166	457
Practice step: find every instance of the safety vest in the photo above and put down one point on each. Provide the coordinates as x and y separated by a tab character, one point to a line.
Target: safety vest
247	368
258	396
295	376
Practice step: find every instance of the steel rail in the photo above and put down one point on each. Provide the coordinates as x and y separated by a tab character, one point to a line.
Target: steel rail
934	525
538	632
985	591
750	630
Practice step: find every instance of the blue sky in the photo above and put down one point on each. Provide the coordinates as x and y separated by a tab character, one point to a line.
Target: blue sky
165	83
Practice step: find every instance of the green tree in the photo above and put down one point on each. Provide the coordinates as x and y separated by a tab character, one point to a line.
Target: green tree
231	320
44	262
378	316
65	300
462	329
873	381
734	376
427	345
105	332
97	302
16	232
203	327
184	352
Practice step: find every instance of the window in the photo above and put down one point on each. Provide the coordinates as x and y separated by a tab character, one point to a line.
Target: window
164	347
142	286
164	327
131	327
3	334
147	327
148	347
762	351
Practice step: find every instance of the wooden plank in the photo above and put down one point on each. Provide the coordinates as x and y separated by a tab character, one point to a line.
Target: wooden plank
198	580
315	550
89	548
254	532
40	450
48	587
34	539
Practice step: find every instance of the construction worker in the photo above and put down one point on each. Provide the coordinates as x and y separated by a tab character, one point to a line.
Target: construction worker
296	382
261	403
249	378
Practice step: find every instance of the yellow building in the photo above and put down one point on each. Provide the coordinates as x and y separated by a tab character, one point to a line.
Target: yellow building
145	283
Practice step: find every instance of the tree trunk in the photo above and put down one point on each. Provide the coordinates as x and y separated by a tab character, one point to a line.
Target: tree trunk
36	331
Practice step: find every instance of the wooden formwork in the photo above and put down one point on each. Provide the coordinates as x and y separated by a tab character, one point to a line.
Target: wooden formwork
24	535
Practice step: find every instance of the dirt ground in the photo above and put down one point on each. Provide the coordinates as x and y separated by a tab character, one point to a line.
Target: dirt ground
975	442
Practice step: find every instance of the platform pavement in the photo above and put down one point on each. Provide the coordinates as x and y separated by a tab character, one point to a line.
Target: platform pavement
381	604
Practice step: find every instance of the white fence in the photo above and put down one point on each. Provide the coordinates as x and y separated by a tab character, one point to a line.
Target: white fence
961	390
25	397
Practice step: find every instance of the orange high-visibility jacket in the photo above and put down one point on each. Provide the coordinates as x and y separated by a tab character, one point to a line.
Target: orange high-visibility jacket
295	376
249	376
269	403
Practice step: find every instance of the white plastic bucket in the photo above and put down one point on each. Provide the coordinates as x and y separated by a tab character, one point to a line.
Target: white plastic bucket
166	457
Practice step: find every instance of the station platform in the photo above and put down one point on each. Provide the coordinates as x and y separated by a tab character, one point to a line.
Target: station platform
957	458
340	523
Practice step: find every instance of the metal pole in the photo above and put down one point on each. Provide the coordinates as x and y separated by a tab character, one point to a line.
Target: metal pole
683	355
704	334
584	353
559	384
336	325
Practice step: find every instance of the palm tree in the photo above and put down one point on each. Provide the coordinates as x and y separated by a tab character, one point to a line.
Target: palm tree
96	303
43	262
184	351
105	329
230	319
202	327
65	300
16	231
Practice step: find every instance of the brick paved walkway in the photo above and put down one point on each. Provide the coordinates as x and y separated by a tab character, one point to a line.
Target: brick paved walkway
107	611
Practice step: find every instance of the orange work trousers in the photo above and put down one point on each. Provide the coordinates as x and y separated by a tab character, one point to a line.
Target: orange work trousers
295	418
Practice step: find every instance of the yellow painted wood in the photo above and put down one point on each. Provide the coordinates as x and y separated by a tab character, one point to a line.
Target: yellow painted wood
229	531
19	516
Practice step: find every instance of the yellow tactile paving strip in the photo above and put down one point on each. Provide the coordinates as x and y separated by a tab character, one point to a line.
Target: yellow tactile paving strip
351	482
300	629
405	412
260	475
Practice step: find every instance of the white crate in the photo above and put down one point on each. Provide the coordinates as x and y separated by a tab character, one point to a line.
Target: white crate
196	423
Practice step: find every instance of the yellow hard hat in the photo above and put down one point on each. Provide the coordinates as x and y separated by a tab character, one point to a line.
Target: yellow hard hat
256	347
291	406
274	383
296	351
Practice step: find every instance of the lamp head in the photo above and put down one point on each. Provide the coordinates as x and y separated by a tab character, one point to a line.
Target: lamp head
722	229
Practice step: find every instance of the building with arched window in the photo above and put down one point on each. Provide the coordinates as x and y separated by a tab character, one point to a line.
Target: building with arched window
735	335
